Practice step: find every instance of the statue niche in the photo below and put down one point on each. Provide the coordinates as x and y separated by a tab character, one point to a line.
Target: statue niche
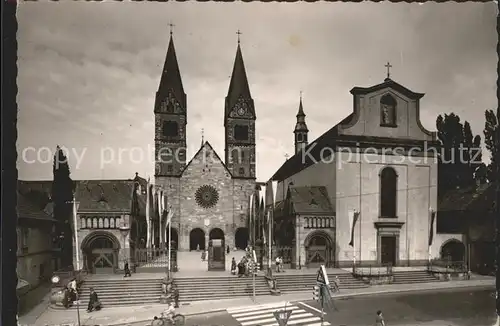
388	111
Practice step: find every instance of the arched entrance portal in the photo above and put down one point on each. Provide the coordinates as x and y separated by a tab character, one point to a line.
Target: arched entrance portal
175	238
197	239
319	250
216	234
241	238
101	252
453	251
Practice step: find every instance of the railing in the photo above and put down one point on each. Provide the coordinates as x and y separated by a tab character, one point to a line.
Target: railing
375	270
446	266
153	257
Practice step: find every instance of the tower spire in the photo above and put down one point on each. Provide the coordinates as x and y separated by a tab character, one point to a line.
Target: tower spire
301	131
238	86
171	77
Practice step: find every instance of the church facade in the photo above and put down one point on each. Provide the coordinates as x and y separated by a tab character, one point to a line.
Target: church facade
370	182
209	197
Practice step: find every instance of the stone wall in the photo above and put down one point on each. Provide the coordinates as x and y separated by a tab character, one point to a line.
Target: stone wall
122	241
227	214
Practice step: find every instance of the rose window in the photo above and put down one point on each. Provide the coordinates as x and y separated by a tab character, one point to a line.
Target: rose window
207	196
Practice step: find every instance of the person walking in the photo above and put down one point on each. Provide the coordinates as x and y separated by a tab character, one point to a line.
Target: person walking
379	320
127	270
233	266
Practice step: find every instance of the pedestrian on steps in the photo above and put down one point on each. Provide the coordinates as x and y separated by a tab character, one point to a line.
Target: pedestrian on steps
127	270
233	266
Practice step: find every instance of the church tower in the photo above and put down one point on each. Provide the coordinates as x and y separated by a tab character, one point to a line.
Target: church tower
239	123
301	130
170	119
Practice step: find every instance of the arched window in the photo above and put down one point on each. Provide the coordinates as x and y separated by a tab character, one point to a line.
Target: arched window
388	193
170	129
240	132
388	111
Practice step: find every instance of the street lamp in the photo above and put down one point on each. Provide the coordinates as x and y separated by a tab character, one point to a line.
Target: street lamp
55	280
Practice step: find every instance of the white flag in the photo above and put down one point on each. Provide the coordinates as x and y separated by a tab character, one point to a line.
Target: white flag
170	214
148	194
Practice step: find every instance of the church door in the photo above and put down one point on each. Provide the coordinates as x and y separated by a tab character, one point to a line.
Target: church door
197	239
103	256
388	250
318	251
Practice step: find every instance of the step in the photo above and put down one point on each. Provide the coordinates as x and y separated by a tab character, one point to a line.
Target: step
128	286
116	303
119	283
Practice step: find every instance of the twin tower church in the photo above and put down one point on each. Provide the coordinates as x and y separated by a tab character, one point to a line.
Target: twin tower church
331	207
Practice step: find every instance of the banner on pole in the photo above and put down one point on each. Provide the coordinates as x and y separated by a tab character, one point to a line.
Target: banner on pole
322	276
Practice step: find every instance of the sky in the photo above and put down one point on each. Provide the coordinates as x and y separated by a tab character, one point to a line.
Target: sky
88	72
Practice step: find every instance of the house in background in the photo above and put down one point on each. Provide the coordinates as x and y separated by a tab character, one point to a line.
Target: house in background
468	215
37	252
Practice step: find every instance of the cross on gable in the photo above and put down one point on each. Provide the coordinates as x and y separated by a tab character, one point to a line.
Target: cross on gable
171	28
388	66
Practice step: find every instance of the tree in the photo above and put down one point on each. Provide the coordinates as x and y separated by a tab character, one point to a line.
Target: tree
62	196
460	156
490	126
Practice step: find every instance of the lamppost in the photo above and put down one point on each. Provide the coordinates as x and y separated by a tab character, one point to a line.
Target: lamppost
124	230
55	280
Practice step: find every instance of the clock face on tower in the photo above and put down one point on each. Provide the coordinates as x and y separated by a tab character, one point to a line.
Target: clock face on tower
241	111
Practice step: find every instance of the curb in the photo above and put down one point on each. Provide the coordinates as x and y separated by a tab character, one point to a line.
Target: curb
339	296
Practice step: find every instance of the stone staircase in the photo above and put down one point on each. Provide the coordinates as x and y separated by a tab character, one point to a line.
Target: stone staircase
412	277
305	282
219	287
128	291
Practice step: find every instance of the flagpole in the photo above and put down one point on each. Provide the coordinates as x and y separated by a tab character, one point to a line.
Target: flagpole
76	235
270	241
148	222
169	221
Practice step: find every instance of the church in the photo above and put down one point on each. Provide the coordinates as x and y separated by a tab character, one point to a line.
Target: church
365	192
209	196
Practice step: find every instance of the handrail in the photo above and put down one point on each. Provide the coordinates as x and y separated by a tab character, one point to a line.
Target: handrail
446	266
372	270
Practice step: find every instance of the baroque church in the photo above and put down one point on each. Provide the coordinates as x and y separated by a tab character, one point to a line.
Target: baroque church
365	191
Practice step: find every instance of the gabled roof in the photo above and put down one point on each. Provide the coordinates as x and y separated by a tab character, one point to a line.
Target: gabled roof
112	196
311	200
300	161
198	155
27	209
388	83
331	138
471	199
